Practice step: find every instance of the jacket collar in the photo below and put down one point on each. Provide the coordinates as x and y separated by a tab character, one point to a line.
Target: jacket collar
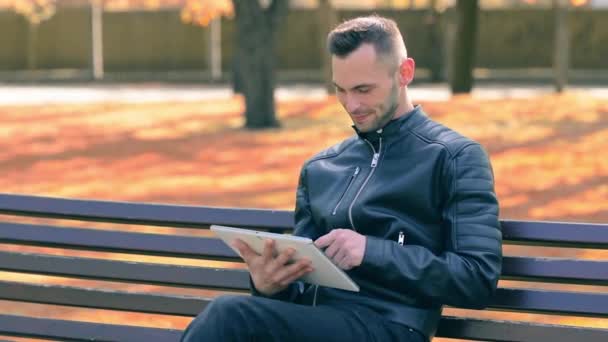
392	128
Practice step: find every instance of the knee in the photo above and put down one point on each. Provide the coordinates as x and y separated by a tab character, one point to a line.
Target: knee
228	304
220	318
229	308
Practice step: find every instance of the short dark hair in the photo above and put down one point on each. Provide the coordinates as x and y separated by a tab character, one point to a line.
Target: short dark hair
382	32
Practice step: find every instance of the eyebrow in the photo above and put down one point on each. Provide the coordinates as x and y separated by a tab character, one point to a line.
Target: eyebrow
358	86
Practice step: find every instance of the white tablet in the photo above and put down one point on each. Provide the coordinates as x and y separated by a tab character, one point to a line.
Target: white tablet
325	273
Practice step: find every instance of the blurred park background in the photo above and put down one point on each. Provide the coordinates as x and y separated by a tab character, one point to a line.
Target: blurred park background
205	103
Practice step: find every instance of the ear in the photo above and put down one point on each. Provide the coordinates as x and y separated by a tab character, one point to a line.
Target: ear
406	72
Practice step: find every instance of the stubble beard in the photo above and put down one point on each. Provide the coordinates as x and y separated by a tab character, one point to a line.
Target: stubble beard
388	115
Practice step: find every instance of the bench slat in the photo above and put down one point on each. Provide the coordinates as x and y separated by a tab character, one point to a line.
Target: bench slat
103	299
541	301
554	270
560	270
580	235
492	330
116	241
514	268
142	213
474	329
112	270
82	331
545	301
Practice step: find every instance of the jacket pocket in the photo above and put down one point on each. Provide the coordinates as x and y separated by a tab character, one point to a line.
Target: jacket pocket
351	180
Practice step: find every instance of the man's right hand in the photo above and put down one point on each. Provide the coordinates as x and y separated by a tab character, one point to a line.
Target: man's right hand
272	274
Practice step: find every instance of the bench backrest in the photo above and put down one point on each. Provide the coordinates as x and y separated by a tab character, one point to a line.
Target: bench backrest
513	299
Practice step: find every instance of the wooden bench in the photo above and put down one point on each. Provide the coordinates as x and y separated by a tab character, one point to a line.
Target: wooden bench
535	270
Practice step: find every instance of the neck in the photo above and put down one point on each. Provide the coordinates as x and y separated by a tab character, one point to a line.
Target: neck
405	106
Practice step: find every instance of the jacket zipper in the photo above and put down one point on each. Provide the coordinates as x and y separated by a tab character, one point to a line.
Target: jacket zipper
350	183
373	165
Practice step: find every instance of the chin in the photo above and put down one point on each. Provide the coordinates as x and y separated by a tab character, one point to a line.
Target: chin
366	129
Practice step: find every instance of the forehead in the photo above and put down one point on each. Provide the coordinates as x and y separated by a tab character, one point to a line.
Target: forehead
362	66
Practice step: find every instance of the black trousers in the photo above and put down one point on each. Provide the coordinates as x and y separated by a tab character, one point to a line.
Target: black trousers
248	318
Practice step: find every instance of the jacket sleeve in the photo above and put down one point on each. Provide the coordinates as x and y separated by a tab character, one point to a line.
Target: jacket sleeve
304	226
466	273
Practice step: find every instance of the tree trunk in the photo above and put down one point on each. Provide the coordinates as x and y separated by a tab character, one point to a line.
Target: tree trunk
464	49
328	19
258	80
256	31
561	50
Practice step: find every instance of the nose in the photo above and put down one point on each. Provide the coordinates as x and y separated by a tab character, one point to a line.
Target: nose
350	103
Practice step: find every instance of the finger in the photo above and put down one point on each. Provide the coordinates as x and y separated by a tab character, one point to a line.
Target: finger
332	250
268	251
302	272
326	239
275	265
285	271
341	257
246	252
344	261
345	266
289	273
283	258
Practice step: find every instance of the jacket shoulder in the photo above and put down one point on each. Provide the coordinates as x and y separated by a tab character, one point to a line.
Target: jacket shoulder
333	151
433	132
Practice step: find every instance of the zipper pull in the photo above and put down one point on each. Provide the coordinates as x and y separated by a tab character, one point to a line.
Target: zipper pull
357	171
401	240
375	159
376	154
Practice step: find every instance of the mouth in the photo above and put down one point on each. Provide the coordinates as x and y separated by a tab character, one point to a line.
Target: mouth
359	119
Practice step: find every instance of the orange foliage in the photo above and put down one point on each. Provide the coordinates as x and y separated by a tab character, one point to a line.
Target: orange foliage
197	12
201	12
36	11
575	3
139	4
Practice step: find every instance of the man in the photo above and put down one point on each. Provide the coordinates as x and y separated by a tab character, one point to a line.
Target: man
406	206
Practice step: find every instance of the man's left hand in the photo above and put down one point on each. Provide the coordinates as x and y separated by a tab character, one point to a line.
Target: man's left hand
345	247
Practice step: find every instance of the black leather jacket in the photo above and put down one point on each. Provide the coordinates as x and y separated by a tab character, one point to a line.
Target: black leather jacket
423	195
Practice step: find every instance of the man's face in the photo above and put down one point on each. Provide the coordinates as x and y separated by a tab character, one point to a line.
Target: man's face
367	87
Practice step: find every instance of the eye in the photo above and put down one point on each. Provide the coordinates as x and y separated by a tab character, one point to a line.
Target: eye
363	90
